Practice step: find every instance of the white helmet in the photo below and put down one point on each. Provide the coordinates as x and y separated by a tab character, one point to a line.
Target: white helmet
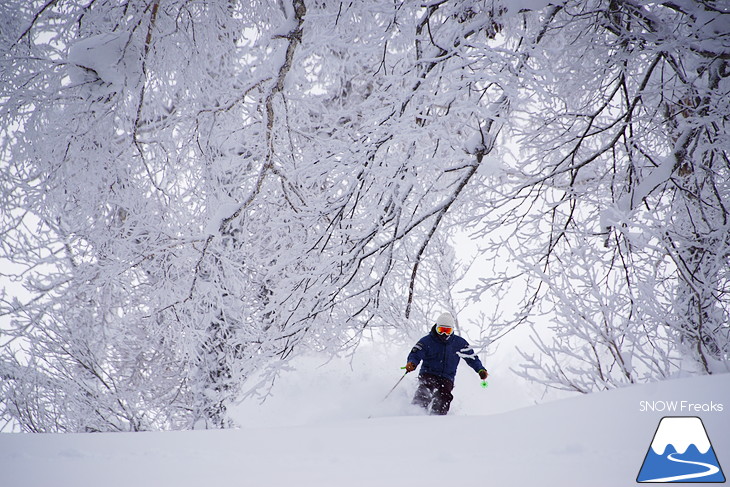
445	320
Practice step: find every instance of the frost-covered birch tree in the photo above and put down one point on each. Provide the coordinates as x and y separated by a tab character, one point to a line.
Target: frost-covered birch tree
618	203
195	192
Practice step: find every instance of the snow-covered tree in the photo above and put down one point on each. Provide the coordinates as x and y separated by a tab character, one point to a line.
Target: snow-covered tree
194	192
618	201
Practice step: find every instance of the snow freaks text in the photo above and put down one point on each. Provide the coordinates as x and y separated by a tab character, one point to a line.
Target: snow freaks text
680	407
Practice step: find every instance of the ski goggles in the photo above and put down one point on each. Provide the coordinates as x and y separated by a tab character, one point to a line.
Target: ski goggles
444	330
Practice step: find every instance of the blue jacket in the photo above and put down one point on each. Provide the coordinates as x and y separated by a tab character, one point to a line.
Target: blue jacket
441	355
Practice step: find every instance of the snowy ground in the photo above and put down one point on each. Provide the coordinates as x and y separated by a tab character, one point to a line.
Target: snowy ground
315	431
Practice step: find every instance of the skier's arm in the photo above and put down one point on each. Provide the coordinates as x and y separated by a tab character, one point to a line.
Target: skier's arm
470	357
416	354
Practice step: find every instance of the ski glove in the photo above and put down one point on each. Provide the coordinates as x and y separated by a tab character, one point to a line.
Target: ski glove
410	367
483	374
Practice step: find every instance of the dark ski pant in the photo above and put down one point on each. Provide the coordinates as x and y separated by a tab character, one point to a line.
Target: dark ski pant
434	391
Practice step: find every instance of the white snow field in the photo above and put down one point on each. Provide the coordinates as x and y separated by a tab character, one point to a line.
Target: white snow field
595	440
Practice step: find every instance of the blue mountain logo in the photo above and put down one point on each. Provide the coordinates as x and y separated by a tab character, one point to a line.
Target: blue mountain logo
681	452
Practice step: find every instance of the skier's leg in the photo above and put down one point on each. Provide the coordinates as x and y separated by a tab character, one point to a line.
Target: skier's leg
442	396
424	392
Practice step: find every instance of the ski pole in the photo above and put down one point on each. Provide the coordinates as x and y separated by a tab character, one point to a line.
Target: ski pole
391	391
396	385
485	384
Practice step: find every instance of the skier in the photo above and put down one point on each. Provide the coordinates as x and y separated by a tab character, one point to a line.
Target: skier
440	352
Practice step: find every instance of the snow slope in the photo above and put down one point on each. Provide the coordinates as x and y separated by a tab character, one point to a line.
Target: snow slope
596	440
